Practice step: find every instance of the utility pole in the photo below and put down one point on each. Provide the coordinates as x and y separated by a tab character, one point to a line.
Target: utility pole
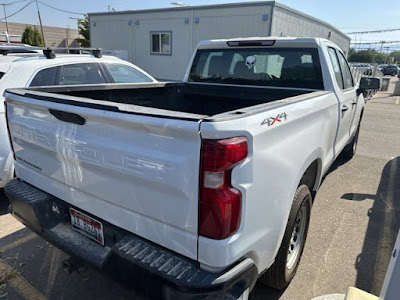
40	22
382	42
5	15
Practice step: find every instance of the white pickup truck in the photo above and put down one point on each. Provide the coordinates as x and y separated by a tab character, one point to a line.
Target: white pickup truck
193	189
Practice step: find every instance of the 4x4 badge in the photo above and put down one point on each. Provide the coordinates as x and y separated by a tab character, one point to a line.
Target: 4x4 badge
272	120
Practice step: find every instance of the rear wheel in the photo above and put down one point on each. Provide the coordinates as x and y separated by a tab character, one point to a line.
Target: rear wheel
287	260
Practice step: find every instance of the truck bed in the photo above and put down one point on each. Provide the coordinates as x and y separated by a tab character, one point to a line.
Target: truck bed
199	99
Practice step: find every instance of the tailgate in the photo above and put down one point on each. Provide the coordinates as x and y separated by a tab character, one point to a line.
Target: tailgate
138	172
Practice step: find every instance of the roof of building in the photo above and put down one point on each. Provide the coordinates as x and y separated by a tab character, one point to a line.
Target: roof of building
224	5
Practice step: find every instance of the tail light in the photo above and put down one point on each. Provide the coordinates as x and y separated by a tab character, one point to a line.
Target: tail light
220	203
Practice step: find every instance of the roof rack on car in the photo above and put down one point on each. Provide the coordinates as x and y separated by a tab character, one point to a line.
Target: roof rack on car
8	48
49	52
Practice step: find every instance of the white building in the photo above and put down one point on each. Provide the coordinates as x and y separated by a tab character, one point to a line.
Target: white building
162	41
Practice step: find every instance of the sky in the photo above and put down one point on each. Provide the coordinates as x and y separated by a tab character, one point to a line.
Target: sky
346	15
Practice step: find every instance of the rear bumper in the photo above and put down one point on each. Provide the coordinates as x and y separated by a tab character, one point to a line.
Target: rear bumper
156	271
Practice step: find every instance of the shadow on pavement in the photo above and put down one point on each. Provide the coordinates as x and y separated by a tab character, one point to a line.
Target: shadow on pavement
3	203
40	267
383	226
262	292
336	164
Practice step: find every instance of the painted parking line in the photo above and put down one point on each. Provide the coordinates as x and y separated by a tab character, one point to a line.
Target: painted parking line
18	242
18	283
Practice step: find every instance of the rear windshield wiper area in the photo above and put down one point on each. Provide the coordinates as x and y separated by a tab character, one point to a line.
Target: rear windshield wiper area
212	79
275	82
229	80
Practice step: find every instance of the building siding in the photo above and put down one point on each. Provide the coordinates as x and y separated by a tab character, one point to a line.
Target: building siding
165	66
290	23
112	32
130	31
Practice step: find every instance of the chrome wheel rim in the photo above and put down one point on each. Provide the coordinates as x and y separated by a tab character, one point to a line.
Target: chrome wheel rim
297	239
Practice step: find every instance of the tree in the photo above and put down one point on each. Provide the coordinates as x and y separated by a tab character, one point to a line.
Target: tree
351	51
83	27
369	56
37	38
27	35
32	36
380	58
394	57
366	56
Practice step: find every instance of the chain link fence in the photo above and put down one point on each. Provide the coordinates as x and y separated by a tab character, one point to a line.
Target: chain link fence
366	70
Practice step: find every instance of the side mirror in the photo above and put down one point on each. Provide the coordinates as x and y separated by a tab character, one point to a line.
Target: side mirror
368	83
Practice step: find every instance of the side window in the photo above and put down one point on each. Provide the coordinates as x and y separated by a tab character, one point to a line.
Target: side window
274	65
87	73
336	67
160	42
306	59
123	73
210	67
347	77
237	58
45	77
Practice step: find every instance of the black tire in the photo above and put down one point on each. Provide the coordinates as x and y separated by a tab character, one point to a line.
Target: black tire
279	275
350	150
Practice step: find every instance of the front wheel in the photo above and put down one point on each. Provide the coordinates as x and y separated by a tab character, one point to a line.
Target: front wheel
287	260
350	150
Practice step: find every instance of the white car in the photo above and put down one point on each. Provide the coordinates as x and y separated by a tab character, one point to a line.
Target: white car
34	69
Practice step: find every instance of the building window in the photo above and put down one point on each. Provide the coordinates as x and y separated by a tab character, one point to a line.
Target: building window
161	43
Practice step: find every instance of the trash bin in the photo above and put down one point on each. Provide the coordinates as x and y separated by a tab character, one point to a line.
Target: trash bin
385	84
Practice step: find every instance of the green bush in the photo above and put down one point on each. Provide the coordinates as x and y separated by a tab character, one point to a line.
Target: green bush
32	36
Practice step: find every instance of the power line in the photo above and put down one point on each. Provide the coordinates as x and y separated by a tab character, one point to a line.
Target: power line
18	11
11	3
374	31
59	9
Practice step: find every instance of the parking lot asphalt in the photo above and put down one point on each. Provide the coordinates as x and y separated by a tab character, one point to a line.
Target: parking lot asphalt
354	223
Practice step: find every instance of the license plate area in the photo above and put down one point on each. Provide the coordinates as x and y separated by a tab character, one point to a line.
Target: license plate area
87	226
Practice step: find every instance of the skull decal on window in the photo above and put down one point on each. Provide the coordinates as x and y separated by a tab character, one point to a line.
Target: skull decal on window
250	61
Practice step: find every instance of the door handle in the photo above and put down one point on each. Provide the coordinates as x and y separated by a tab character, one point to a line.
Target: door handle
345	108
68	117
354	102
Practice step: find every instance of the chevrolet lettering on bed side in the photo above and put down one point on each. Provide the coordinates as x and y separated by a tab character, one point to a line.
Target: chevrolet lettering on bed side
85	153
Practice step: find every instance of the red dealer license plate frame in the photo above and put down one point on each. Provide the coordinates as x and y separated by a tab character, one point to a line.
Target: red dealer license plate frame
87	226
